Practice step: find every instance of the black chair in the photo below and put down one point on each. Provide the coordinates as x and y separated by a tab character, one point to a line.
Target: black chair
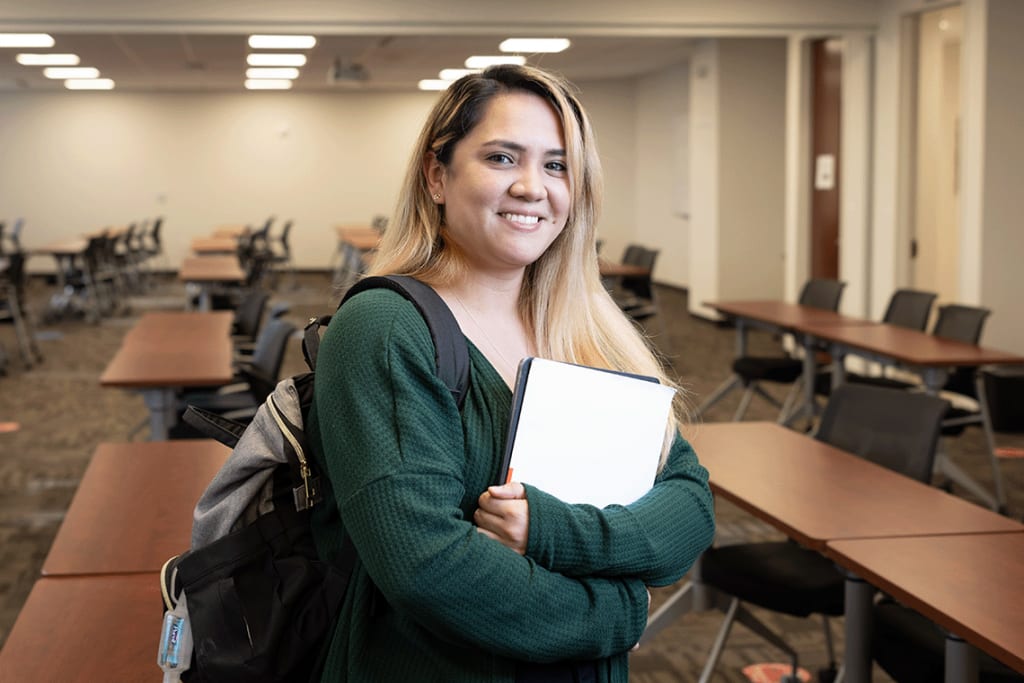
889	427
750	371
636	292
280	252
254	380
249	316
908	308
910	648
14	307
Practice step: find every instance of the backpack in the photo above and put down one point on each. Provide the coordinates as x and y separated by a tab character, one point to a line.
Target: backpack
262	605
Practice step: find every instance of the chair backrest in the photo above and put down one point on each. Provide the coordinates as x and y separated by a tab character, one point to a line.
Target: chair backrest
960	323
822	293
909	308
894	428
641	287
249	313
631	254
268	356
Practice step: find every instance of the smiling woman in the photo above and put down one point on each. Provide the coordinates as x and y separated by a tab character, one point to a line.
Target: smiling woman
461	581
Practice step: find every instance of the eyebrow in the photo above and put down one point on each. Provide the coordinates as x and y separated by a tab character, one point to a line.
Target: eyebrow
516	147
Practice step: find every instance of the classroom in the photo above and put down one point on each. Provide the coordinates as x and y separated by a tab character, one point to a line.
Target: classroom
752	148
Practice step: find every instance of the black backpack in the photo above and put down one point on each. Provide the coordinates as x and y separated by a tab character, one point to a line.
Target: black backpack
262	605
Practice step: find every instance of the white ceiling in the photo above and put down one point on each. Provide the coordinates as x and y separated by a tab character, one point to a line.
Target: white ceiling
210	62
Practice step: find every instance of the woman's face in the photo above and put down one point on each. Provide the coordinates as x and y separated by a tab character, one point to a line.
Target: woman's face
506	190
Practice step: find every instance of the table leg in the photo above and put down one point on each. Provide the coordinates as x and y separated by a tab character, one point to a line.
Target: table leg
961	661
857	624
162	411
205	299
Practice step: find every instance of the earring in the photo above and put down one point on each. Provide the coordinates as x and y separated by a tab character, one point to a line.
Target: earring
437	196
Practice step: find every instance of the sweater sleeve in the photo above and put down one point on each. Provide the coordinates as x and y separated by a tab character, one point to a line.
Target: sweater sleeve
656	538
396	454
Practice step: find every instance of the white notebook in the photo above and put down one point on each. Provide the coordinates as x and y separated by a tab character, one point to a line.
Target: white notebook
585	435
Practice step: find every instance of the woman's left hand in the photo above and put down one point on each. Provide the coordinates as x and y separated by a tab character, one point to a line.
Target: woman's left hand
504	515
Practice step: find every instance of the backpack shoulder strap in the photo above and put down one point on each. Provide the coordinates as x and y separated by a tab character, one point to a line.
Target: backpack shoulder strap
450	350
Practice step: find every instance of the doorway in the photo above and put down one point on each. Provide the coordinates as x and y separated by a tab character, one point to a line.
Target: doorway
826	86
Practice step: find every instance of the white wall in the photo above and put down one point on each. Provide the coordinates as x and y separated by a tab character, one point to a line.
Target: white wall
661	215
73	163
610	106
76	162
737	172
1002	221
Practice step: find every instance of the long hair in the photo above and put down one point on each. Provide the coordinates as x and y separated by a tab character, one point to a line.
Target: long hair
572	316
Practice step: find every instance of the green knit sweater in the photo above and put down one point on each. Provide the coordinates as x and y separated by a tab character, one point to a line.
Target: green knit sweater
447	604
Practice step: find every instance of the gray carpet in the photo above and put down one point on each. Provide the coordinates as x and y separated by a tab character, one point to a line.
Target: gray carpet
62	413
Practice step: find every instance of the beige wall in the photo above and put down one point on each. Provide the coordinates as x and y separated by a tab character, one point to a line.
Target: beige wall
76	162
662	153
1002	241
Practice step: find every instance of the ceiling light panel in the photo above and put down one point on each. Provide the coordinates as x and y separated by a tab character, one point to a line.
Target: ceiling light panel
455	74
534	45
52	59
433	84
272	42
64	72
272	72
26	40
270	59
89	84
484	61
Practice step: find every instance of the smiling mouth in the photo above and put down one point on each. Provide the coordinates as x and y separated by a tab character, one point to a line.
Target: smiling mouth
521	218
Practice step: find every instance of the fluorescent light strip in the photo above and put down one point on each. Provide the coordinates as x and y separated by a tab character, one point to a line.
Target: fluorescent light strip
64	72
89	84
534	45
26	40
268	84
455	74
273	42
52	59
272	72
433	84
484	61
268	59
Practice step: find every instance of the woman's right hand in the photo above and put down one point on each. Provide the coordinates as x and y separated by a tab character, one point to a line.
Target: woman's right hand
504	515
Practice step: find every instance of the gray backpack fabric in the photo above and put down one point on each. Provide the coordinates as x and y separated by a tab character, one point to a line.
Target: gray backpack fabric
260	601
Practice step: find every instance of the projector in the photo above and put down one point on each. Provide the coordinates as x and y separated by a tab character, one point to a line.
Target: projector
346	72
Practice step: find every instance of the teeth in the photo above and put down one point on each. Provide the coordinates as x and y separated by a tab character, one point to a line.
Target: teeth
517	218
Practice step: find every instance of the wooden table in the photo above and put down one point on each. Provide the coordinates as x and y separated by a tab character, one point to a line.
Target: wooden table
133	508
209	272
969	584
815	493
929	356
783	317
86	628
614	269
166	351
214	245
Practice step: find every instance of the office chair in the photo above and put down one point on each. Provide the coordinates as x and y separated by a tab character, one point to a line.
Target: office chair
908	308
750	371
890	427
254	380
637	292
910	648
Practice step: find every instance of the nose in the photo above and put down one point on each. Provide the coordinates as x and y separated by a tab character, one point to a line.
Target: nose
529	185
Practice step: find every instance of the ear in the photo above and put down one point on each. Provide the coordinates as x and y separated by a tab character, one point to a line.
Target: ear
434	174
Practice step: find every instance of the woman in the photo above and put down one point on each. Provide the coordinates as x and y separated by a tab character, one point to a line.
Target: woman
459	582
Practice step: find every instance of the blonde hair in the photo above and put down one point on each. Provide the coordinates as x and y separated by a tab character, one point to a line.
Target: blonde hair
566	275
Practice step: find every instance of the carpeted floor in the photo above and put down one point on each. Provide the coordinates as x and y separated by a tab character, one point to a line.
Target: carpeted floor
62	413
